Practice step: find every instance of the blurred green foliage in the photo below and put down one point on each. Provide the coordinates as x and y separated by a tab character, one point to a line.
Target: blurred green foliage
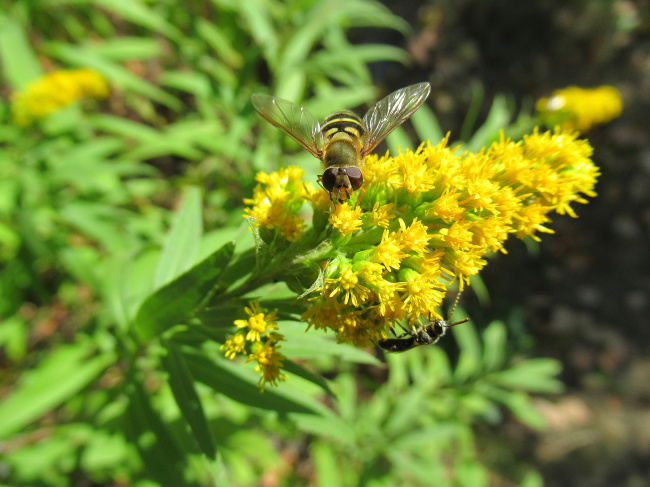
103	380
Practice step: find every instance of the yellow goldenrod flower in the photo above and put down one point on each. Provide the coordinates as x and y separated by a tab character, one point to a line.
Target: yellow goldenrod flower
414	237
381	215
348	282
428	218
275	201
269	364
259	329
234	345
345	219
580	108
389	252
54	91
258	323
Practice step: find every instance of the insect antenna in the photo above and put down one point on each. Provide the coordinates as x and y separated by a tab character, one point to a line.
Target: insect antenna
453	308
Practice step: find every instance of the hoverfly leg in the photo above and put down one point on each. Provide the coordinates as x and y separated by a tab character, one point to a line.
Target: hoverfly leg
362	193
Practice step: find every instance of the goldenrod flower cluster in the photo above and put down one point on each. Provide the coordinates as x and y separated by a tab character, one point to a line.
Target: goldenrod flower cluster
580	108
427	218
274	206
260	331
54	91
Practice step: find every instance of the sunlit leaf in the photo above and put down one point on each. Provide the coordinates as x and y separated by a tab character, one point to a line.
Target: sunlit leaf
240	384
183	240
532	375
469	360
494	348
174	302
140	14
83	57
19	62
128	48
60	375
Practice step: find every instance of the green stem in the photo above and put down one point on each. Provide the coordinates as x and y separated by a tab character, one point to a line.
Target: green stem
292	261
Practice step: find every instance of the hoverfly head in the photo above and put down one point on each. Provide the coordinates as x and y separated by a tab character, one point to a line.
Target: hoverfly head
337	180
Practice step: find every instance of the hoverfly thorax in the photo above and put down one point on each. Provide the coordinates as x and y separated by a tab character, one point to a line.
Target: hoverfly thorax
343	140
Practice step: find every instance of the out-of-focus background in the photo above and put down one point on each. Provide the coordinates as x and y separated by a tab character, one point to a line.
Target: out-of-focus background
87	186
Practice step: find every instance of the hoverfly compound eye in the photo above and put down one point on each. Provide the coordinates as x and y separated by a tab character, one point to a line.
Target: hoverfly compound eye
329	178
355	176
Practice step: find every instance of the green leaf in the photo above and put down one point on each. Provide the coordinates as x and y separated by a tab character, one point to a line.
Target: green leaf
220	42
59	376
262	31
235	381
469	360
328	425
122	49
494	346
472	473
19	62
532	479
532	375
473	110
426	125
99	222
519	404
126	280
325	464
181	383
162	455
300	371
498	117
184	238
306	345
411	403
14	336
119	75
480	290
138	13
398	141
198	84
174	302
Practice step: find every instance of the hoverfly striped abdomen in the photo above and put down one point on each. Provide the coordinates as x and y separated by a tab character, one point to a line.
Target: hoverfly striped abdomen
343	121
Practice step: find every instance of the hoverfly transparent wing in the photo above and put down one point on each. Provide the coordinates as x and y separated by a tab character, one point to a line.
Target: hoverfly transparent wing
390	112
292	120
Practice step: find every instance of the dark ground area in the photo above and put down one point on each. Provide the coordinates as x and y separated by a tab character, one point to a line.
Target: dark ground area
586	296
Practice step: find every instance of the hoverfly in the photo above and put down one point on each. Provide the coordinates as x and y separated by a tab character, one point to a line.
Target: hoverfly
343	140
423	335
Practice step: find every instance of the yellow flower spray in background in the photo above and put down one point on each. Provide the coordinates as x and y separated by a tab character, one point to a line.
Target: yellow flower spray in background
575	108
428	218
54	91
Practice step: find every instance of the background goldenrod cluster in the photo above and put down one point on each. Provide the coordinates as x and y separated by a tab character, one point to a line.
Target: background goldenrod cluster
579	108
56	90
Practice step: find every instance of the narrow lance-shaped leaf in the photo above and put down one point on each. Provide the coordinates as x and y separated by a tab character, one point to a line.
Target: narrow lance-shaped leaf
174	302
182	386
239	384
19	62
182	242
161	454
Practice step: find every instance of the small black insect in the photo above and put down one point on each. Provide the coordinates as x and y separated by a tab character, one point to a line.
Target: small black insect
423	335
